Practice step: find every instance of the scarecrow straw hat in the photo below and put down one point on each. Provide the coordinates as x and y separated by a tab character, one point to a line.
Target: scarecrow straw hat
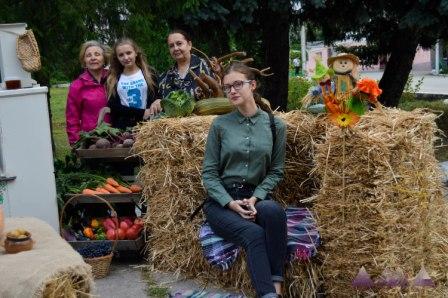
352	57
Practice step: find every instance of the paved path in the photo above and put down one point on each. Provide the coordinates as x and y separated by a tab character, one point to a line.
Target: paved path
125	280
431	84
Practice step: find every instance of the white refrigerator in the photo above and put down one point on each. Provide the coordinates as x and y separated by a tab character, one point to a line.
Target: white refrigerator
26	159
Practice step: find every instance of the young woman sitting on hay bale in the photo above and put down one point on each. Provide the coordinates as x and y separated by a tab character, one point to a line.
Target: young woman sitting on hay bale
244	161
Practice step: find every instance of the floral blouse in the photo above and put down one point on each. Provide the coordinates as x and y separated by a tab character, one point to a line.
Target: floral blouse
171	80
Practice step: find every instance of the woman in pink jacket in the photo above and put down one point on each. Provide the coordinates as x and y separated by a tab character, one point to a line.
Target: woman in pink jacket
87	94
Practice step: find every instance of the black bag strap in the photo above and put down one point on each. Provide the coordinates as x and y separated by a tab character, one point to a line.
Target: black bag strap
274	137
273	129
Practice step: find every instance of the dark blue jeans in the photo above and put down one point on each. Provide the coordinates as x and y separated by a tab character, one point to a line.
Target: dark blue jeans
264	240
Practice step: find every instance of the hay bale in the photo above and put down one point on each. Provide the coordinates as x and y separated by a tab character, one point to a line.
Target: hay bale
380	204
66	285
172	151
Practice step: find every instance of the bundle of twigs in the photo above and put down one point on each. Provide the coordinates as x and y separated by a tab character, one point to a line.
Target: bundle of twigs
211	85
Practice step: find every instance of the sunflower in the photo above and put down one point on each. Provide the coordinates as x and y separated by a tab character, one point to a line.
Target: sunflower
342	119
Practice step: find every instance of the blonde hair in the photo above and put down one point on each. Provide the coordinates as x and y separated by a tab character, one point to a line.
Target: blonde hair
93	43
116	69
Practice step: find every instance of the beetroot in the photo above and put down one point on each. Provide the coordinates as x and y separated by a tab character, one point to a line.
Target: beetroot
128	143
126	135
102	143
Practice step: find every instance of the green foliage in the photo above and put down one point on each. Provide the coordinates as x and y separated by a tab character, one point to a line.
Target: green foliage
297	88
295	54
58	101
367	54
71	177
410	89
152	288
101	131
436	105
393	28
177	104
440	108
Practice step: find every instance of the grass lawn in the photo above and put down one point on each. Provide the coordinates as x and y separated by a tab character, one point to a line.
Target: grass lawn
57	102
441	108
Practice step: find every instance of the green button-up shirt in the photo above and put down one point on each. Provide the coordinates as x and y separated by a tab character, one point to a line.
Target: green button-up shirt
239	150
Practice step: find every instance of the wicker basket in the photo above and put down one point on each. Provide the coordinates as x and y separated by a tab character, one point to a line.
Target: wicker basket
28	51
100	265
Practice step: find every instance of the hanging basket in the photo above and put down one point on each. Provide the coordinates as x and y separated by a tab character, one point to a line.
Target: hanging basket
28	51
100	265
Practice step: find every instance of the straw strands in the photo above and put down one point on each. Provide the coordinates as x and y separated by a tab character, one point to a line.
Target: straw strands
377	198
380	204
172	151
67	285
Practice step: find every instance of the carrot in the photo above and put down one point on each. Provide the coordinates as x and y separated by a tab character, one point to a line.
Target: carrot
102	190
135	188
112	182
88	191
110	188
123	189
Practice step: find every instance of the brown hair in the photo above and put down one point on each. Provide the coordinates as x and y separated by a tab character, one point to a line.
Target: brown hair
93	43
181	32
250	75
116	69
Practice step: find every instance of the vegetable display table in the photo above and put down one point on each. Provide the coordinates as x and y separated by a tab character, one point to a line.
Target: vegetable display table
111	154
131	198
51	269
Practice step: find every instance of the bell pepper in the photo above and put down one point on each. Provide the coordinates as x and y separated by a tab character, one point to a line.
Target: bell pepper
101	236
88	232
94	223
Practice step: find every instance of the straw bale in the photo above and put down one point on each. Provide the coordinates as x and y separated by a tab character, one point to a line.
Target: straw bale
376	188
67	285
172	151
380	204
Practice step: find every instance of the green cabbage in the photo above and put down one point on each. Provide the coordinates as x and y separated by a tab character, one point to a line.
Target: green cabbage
178	104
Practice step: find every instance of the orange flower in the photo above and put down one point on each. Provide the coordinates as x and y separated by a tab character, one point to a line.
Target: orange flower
344	119
369	87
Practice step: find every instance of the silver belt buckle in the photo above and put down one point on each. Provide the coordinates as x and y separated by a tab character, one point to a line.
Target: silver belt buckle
238	185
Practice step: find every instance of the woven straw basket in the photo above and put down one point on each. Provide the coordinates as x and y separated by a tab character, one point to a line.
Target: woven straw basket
100	265
28	51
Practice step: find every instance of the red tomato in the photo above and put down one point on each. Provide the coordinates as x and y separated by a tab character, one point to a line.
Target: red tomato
121	234
132	234
110	234
124	225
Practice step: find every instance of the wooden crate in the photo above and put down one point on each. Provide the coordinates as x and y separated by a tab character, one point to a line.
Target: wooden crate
122	245
111	198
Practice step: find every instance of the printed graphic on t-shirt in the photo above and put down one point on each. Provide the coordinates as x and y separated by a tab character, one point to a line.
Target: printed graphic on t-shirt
133	90
134	96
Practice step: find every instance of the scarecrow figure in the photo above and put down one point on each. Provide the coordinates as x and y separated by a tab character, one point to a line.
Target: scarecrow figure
343	66
352	95
324	88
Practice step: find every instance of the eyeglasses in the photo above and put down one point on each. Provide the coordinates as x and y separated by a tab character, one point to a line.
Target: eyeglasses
237	85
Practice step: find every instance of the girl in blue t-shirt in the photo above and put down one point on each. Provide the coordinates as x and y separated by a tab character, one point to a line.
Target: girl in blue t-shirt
131	86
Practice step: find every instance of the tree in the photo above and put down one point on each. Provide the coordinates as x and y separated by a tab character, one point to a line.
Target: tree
259	27
393	28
